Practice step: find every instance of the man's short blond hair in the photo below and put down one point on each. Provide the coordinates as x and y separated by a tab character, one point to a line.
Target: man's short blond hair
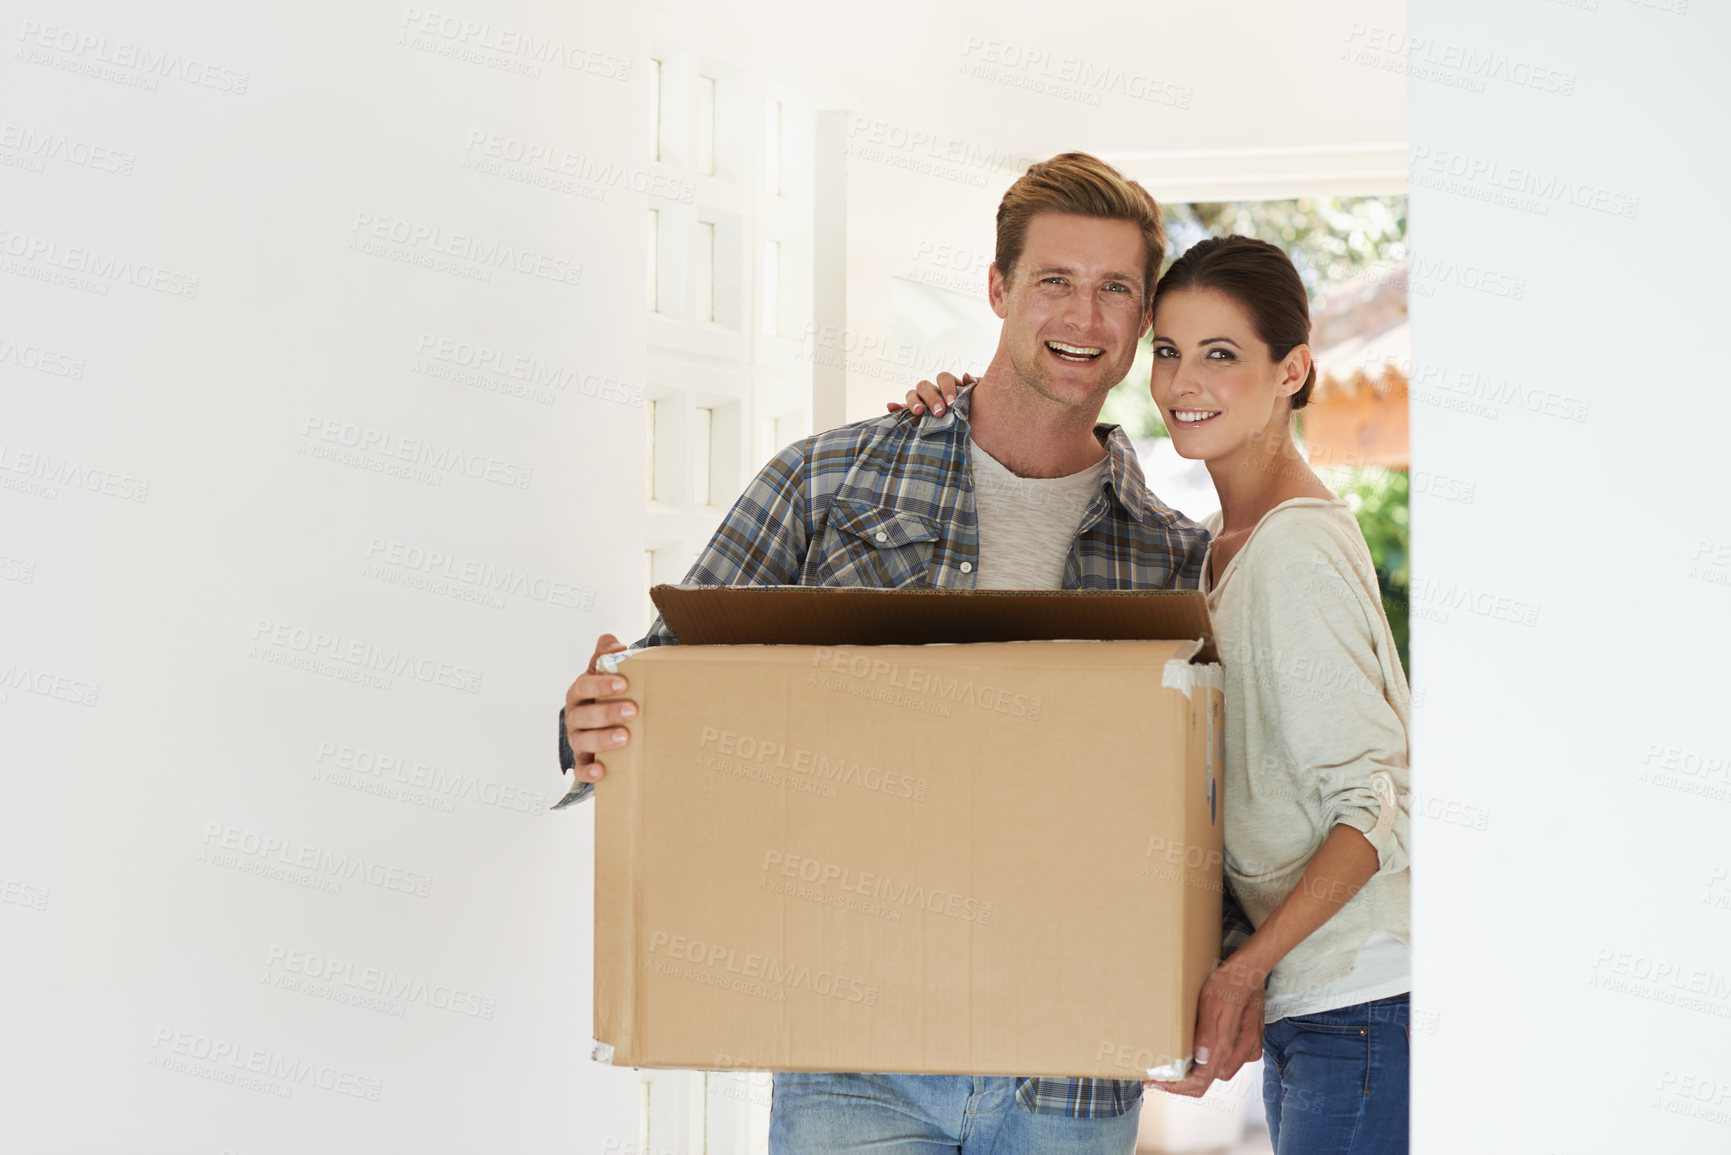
1074	182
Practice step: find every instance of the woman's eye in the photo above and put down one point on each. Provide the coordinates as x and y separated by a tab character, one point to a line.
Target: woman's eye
1165	351
1225	354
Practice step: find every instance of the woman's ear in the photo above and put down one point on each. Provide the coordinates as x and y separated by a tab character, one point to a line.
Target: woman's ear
1294	370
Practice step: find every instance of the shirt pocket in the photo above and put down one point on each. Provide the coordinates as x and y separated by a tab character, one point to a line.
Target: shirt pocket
867	545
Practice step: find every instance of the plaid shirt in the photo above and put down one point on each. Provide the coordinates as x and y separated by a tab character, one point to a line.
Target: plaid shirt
889	503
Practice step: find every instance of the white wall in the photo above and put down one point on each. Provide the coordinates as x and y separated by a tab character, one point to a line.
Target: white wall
192	757
208	790
1573	915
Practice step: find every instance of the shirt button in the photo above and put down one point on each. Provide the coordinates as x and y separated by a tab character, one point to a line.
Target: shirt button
967	567
883	536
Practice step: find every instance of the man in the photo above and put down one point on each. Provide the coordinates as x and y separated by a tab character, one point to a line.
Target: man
1011	487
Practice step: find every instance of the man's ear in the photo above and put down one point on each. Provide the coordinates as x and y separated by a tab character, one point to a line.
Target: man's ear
997	290
1147	320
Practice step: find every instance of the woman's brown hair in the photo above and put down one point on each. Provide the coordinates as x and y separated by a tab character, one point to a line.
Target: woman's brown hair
1264	283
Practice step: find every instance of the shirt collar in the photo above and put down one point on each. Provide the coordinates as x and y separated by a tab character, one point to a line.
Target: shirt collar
1123	472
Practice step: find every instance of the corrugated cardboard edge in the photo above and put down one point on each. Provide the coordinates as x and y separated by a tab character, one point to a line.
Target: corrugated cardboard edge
618	920
1202	904
851	615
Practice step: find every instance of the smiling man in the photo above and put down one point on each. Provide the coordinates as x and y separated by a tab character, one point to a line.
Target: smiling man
1014	486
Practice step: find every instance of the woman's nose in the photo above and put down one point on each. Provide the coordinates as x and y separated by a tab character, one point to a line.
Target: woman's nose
1180	381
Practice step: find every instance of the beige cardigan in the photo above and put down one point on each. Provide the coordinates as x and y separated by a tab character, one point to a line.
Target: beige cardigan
1317	721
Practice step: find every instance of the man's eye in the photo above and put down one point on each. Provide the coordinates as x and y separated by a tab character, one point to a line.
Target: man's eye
1117	288
1053	281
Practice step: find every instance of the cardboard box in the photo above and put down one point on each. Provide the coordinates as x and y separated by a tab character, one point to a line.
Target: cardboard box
830	847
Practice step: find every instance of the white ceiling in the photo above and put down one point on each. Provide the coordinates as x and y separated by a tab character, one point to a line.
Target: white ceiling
1258	98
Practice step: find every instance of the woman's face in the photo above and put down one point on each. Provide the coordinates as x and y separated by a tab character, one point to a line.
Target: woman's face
1214	380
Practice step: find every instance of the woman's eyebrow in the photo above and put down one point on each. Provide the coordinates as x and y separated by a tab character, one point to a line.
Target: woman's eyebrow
1206	341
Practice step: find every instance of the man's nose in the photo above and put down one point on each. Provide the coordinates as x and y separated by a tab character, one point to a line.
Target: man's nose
1082	311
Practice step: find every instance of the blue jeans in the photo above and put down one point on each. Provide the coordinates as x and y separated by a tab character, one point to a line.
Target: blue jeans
822	1114
1336	1081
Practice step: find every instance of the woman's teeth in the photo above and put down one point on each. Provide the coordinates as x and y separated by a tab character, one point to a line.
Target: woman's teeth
1189	415
1073	352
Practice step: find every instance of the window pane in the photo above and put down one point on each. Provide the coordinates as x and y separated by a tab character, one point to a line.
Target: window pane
772	148
705	270
771	288
706	125
649	470
702	450
654	277
654	109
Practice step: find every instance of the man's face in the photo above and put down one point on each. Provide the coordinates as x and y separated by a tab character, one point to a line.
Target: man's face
1073	307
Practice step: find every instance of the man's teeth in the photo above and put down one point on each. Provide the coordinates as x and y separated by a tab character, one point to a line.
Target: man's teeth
1195	414
1073	352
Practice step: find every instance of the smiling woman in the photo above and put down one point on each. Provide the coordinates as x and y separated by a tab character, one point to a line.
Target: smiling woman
1317	709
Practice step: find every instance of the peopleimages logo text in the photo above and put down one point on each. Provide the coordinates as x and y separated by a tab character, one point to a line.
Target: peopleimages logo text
323	860
1439	163
773	971
418	451
95	263
89	47
64	471
463	246
366	655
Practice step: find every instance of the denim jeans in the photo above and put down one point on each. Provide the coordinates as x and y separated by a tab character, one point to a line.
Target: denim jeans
821	1114
1336	1081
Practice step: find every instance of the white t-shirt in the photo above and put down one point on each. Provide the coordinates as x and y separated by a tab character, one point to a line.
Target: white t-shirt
1027	524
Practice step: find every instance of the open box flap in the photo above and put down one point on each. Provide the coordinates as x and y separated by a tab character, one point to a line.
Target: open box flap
830	616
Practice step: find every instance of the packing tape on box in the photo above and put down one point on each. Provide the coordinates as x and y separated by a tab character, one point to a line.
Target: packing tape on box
601	1052
1185	676
609	663
1171	1072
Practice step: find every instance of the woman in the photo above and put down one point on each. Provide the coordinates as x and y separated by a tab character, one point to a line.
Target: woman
1317	707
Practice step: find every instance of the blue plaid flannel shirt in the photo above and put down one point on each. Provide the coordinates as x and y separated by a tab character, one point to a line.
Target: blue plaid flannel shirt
889	503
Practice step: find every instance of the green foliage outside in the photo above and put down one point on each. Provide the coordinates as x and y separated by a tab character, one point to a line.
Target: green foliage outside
1333	241
1379	500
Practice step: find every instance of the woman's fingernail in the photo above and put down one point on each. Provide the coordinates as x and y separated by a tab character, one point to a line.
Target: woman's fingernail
938	409
618	738
628	711
594	773
1201	1056
618	685
918	408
